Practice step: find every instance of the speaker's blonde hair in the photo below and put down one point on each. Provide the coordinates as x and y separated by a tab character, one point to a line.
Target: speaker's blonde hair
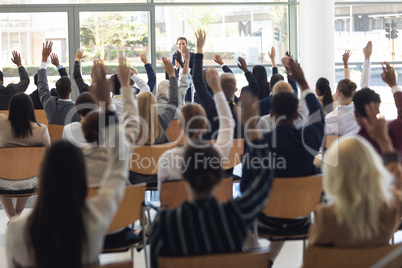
150	128
359	184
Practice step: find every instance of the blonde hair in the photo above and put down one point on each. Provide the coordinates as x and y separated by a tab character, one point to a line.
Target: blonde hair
193	120
228	84
150	128
282	86
359	184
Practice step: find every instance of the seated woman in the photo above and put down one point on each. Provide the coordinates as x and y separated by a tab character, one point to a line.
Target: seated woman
324	95
366	207
205	226
65	229
194	122
20	129
342	120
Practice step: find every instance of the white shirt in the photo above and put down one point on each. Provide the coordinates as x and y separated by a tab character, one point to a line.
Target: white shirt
171	162
73	133
342	121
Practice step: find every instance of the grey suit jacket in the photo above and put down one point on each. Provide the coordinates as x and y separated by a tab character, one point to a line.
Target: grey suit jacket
57	111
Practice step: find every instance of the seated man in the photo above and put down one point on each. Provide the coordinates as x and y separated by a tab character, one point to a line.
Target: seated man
292	149
59	110
6	92
366	95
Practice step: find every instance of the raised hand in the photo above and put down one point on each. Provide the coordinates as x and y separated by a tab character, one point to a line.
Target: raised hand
54	59
376	127
294	72
143	57
242	64
249	115
388	74
16	59
46	50
168	66
201	37
213	80
124	72
79	55
288	54
133	70
177	57
218	59
367	50
99	85
345	58
272	56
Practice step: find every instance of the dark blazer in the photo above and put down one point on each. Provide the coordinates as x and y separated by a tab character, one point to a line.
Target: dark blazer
6	92
191	61
35	95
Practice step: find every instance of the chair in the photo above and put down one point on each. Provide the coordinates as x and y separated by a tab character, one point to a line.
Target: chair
55	132
174	133
40	116
256	258
144	160
334	257
173	193
292	198
18	163
126	264
329	139
130	210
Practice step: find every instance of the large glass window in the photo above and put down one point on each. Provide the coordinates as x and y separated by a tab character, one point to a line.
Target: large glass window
355	25
25	33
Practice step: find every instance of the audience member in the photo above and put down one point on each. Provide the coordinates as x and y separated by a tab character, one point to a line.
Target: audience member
324	94
20	129
82	86
150	71
342	120
292	149
84	104
205	226
35	94
59	110
6	92
83	221
365	210
193	122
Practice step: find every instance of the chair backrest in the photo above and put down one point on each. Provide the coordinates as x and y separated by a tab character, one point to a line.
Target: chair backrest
294	197
125	264
40	116
173	193
19	163
144	159
256	259
235	155
329	139
334	257
130	208
55	132
174	133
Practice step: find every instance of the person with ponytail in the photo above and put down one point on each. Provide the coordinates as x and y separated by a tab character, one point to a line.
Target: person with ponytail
20	128
65	229
324	95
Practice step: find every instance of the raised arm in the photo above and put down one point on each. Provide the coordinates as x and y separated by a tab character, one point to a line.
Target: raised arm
184	78
366	74
55	61
272	56
224	139
130	106
389	77
115	176
171	107
82	86
345	59
254	198
141	84
150	71
290	81
254	88
24	77
218	60
43	87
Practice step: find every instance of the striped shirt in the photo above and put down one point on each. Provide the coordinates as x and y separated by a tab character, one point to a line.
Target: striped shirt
210	227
